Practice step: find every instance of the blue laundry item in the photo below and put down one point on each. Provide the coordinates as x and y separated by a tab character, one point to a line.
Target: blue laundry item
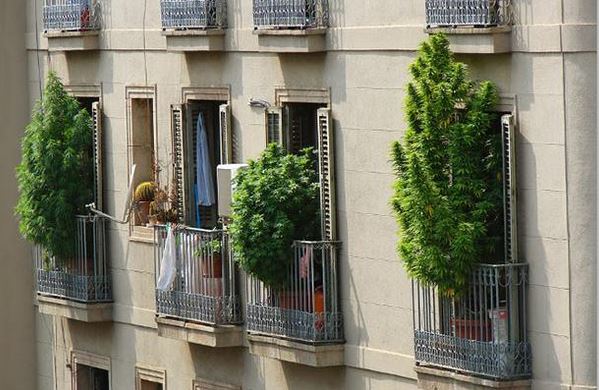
204	180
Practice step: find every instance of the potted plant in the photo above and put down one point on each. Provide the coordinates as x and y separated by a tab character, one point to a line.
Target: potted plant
163	208
448	171
275	203
144	195
55	175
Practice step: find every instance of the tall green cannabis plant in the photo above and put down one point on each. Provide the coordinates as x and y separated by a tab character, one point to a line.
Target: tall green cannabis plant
55	175
447	195
275	202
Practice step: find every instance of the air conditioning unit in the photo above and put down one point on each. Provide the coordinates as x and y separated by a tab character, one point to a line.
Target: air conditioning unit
225	176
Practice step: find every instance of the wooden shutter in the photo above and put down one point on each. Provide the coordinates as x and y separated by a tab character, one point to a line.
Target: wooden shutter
226	138
98	155
274	125
509	188
326	168
179	161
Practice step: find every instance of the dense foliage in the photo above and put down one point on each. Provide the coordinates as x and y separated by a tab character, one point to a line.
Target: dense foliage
448	189
275	202
56	172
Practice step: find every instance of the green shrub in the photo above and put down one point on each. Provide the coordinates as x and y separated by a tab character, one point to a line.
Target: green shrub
448	190
56	172
275	202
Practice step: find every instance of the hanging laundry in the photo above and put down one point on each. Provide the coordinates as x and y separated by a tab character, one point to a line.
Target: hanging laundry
205	182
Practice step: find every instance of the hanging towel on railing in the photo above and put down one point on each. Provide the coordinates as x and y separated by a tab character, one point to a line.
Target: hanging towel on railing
168	267
205	183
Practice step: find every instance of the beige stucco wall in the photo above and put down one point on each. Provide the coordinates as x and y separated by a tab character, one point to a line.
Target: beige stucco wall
17	334
549	76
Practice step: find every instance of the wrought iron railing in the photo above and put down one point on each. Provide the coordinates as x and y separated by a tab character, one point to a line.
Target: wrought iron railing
478	13
84	277
286	14
205	285
483	331
308	310
193	14
71	15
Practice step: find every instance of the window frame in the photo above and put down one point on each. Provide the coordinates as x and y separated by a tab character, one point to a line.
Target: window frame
140	233
149	374
91	360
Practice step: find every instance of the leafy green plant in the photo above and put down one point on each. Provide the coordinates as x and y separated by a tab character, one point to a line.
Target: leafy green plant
212	246
275	202
56	173
447	196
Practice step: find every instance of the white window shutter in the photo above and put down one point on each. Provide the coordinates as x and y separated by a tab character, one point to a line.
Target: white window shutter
226	138
274	125
326	170
98	155
509	188
179	161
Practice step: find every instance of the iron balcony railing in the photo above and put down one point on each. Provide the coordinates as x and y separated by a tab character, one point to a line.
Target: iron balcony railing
483	331
286	14
205	286
193	14
478	13
308	309
71	15
84	277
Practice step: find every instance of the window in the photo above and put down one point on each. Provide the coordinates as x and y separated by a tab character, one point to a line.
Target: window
91	378
89	371
149	378
141	114
199	125
300	125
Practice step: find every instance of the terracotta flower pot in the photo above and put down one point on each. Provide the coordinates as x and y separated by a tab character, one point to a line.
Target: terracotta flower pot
214	268
476	330
142	212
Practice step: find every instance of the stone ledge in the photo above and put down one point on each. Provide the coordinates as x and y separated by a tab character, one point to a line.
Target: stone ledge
327	355
78	311
221	336
73	40
291	40
474	40
195	40
430	378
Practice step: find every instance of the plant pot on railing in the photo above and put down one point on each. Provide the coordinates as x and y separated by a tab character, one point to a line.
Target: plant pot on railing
468	329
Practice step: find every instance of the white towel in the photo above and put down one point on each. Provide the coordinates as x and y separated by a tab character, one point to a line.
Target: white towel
168	267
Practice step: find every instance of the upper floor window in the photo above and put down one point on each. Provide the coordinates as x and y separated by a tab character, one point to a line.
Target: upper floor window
474	13
291	14
71	15
193	14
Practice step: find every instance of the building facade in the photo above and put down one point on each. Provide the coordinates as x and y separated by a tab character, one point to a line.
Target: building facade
330	75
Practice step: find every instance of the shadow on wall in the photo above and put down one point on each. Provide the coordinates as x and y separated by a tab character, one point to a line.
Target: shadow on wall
221	365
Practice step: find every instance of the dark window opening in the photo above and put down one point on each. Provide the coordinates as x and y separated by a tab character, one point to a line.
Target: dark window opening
92	378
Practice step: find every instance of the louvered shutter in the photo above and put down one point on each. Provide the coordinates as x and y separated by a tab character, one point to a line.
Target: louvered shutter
178	134
326	168
509	188
226	138
274	125
98	155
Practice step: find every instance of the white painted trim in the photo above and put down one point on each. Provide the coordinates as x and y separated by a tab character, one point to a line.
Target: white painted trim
149	374
91	360
210	93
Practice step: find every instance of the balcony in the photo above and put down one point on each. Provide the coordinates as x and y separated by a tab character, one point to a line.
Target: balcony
473	26
291	25
302	323
71	24
202	305
480	334
194	25
80	287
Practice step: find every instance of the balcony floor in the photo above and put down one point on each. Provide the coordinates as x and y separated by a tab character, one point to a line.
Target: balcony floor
211	336
79	311
325	355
